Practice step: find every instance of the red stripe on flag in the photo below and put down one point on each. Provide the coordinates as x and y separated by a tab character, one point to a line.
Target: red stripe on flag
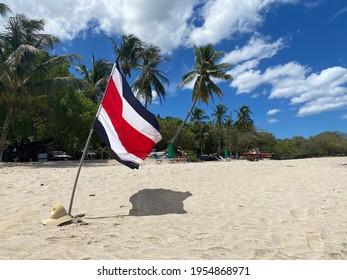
133	141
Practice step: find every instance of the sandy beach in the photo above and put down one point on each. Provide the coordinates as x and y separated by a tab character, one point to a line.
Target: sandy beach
292	209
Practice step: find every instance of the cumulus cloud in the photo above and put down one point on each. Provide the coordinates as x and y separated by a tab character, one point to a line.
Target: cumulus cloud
257	48
247	59
314	93
323	104
311	93
165	23
222	18
273	112
277	76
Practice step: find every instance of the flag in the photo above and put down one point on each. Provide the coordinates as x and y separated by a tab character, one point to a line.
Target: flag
126	126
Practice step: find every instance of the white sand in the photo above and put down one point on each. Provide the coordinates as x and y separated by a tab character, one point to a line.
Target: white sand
294	209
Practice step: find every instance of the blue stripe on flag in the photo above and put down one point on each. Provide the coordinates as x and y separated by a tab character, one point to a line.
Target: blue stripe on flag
136	104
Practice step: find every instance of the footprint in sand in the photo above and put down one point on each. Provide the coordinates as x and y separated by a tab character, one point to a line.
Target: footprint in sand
263	254
299	214
314	241
201	235
336	256
132	244
215	252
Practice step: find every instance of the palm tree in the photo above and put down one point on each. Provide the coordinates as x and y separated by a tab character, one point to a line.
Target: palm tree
97	76
26	69
198	118
229	124
244	121
206	69
150	77
128	53
243	125
220	119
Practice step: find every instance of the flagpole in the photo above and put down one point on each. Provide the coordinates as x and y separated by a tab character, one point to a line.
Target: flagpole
82	160
79	169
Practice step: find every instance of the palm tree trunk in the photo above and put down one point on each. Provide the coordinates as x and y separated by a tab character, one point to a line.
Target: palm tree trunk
146	101
5	128
201	140
220	141
184	121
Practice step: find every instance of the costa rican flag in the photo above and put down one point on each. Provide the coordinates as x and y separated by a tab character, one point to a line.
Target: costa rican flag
124	124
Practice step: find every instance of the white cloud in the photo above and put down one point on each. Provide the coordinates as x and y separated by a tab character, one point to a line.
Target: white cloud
223	18
271	121
344	117
249	80
330	82
315	93
165	23
246	75
241	68
255	95
273	112
155	99
323	104
257	48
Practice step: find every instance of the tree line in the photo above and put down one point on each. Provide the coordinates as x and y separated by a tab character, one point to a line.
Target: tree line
41	100
205	134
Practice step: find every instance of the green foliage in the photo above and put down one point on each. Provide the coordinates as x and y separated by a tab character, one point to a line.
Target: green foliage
329	144
151	78
187	138
27	72
265	141
321	145
64	118
238	141
70	120
206	68
97	77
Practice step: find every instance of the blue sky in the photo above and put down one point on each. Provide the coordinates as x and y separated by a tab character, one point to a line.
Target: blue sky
289	57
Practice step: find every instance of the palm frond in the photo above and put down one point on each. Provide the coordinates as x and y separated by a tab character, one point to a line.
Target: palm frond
4	9
187	78
23	60
57	84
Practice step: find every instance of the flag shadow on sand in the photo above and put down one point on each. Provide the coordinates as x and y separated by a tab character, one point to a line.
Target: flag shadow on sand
149	202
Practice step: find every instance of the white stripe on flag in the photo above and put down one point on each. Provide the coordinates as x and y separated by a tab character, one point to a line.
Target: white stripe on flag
114	141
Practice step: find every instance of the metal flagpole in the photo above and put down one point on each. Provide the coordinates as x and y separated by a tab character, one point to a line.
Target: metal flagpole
79	169
82	160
